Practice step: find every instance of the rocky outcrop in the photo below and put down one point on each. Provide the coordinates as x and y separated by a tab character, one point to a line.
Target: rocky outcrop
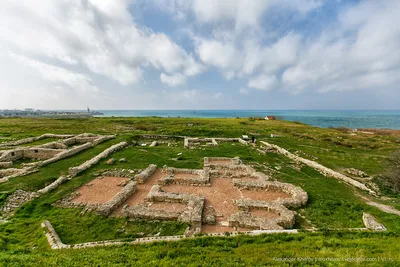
76	170
320	168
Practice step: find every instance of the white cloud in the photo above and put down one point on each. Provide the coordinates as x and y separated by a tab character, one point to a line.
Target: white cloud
99	35
244	91
217	54
173	80
263	82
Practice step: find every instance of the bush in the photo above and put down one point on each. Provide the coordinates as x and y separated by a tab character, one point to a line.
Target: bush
391	178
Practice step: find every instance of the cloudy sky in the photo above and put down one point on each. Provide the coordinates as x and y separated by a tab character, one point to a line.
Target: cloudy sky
200	54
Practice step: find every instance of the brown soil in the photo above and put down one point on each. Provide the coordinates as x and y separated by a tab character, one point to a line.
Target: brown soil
221	195
141	191
100	190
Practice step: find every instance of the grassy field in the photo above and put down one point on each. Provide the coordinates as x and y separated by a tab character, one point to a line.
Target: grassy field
332	204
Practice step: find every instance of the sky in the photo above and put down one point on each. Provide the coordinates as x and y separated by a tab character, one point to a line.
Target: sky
200	54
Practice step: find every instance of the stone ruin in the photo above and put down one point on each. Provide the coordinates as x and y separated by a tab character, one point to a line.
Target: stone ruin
41	155
193	208
193	142
16	200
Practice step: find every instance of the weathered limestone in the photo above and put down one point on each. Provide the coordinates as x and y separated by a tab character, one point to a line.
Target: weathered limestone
320	168
6	164
153	144
46	153
125	173
194	177
299	196
192	142
142	177
33	139
52	236
54	184
16	200
110	206
371	223
191	215
86	165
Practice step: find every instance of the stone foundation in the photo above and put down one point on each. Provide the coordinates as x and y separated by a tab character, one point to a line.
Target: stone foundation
142	177
74	171
107	208
16	200
371	223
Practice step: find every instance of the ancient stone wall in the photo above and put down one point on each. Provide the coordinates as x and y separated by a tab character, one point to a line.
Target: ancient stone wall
67	153
371	223
142	177
86	165
202	177
16	200
320	168
33	139
107	208
53	185
6	164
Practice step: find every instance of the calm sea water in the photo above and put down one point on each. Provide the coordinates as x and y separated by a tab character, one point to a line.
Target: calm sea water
321	118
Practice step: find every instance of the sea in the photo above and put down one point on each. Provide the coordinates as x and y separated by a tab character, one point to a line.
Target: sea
380	119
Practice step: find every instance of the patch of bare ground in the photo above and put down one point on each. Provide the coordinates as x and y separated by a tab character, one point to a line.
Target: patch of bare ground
100	190
221	195
141	191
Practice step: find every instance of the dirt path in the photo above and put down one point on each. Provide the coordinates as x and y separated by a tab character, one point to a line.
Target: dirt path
384	208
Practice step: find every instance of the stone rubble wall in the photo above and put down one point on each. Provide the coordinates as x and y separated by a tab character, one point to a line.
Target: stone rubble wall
53	185
244	218
371	223
125	173
298	199
54	145
30	153
6	164
192	215
4	177
33	139
320	168
110	206
16	200
191	142
67	153
56	243
143	212
202	179
52	236
73	171
142	177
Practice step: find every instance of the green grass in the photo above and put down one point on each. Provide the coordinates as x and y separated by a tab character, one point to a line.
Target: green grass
332	204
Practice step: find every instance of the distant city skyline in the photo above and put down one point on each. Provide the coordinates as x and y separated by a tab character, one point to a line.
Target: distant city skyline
200	54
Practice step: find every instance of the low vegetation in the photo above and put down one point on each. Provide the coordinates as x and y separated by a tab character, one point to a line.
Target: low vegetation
333	206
